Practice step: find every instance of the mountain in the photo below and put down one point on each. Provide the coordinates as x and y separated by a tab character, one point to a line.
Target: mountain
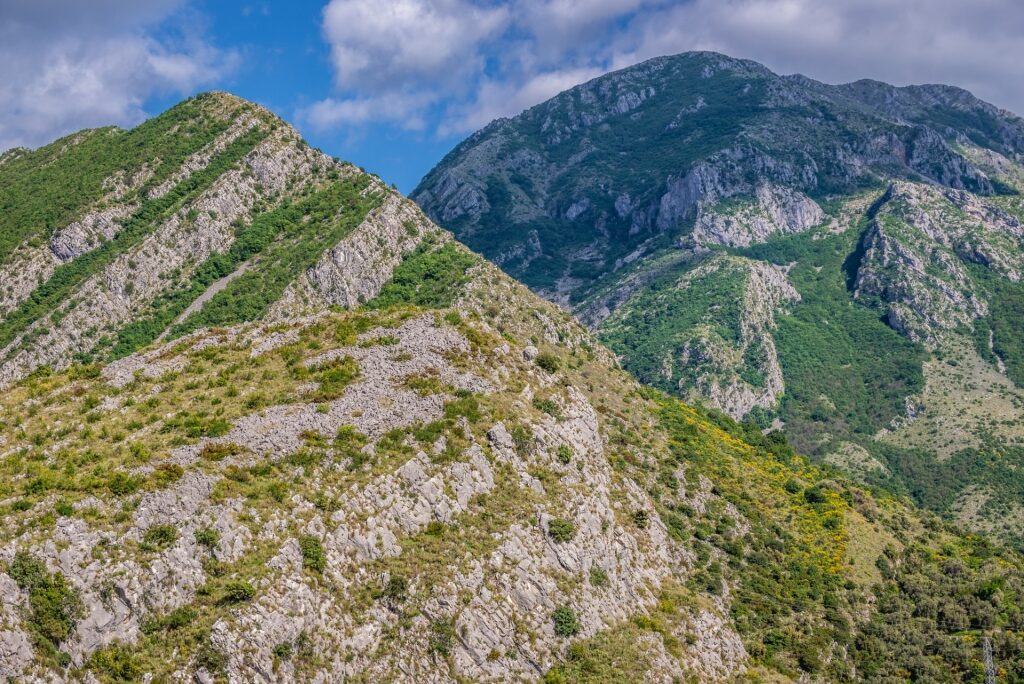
844	261
263	421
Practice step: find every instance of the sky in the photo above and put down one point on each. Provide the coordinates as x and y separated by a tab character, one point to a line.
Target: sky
392	85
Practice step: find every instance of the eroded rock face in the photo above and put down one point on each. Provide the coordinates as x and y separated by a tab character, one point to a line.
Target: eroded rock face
916	252
495	497
354	270
16	652
119	293
717	367
777	211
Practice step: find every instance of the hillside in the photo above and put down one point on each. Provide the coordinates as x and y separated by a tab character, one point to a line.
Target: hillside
843	261
333	444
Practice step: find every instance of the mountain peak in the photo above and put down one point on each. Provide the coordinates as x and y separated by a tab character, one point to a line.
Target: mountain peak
874	233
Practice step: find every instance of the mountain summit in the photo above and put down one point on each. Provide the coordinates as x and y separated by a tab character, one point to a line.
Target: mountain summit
841	260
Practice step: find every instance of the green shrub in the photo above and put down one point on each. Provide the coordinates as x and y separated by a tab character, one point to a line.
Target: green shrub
284	650
313	556
463	407
218	451
548	406
397	588
548	362
522	439
160	537
54	605
564	454
598	577
180	617
210	658
237	591
166	474
121	484
334	376
641	518
115	663
442	636
208	537
815	495
561	530
565	621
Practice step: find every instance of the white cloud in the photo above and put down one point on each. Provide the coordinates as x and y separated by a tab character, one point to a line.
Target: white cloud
69	65
388	45
395	108
470	60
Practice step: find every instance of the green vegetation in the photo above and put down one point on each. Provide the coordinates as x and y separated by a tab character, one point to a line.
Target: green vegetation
115	664
1005	323
548	362
430	276
442	637
237	591
830	347
287	241
208	537
661	318
159	537
548	406
561	530
565	621
846	372
50	295
789	593
313	556
46	189
54	605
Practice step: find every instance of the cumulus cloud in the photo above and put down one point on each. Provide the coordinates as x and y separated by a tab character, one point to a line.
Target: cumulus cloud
395	108
456	64
70	64
387	45
453	65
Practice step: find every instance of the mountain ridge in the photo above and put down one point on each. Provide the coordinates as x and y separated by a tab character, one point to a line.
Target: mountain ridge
373	456
894	213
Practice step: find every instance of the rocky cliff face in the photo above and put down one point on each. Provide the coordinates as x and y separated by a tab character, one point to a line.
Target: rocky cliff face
605	168
725	354
133	255
346	448
917	254
890	209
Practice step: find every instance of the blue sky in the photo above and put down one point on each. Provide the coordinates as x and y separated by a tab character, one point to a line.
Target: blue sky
392	85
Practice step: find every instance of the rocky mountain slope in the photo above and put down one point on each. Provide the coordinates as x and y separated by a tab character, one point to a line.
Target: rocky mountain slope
332	444
800	254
